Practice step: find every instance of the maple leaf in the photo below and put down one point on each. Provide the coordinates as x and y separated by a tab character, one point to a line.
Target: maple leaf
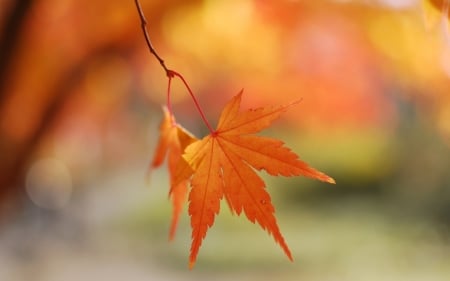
172	142
224	164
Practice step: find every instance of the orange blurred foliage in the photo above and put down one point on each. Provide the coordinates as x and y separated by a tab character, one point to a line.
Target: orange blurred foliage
74	67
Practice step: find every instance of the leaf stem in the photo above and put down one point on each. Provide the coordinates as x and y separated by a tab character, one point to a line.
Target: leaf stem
197	104
169	102
169	73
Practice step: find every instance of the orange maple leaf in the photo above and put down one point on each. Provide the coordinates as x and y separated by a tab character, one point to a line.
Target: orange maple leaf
172	142
223	165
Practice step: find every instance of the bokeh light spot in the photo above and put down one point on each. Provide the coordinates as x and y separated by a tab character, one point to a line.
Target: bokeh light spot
49	183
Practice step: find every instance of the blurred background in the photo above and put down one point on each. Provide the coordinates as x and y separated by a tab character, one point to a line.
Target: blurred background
80	106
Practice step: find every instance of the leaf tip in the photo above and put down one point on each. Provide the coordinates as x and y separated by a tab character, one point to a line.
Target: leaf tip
331	180
287	252
291	259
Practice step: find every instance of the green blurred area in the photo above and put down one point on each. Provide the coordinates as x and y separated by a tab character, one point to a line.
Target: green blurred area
80	100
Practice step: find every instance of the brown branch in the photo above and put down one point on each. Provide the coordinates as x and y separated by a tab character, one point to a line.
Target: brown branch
9	40
147	39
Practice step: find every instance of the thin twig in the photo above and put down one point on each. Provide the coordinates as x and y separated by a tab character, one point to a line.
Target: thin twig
147	38
197	105
170	73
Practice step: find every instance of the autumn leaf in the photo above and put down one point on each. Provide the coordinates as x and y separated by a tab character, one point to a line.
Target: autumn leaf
224	165
172	142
